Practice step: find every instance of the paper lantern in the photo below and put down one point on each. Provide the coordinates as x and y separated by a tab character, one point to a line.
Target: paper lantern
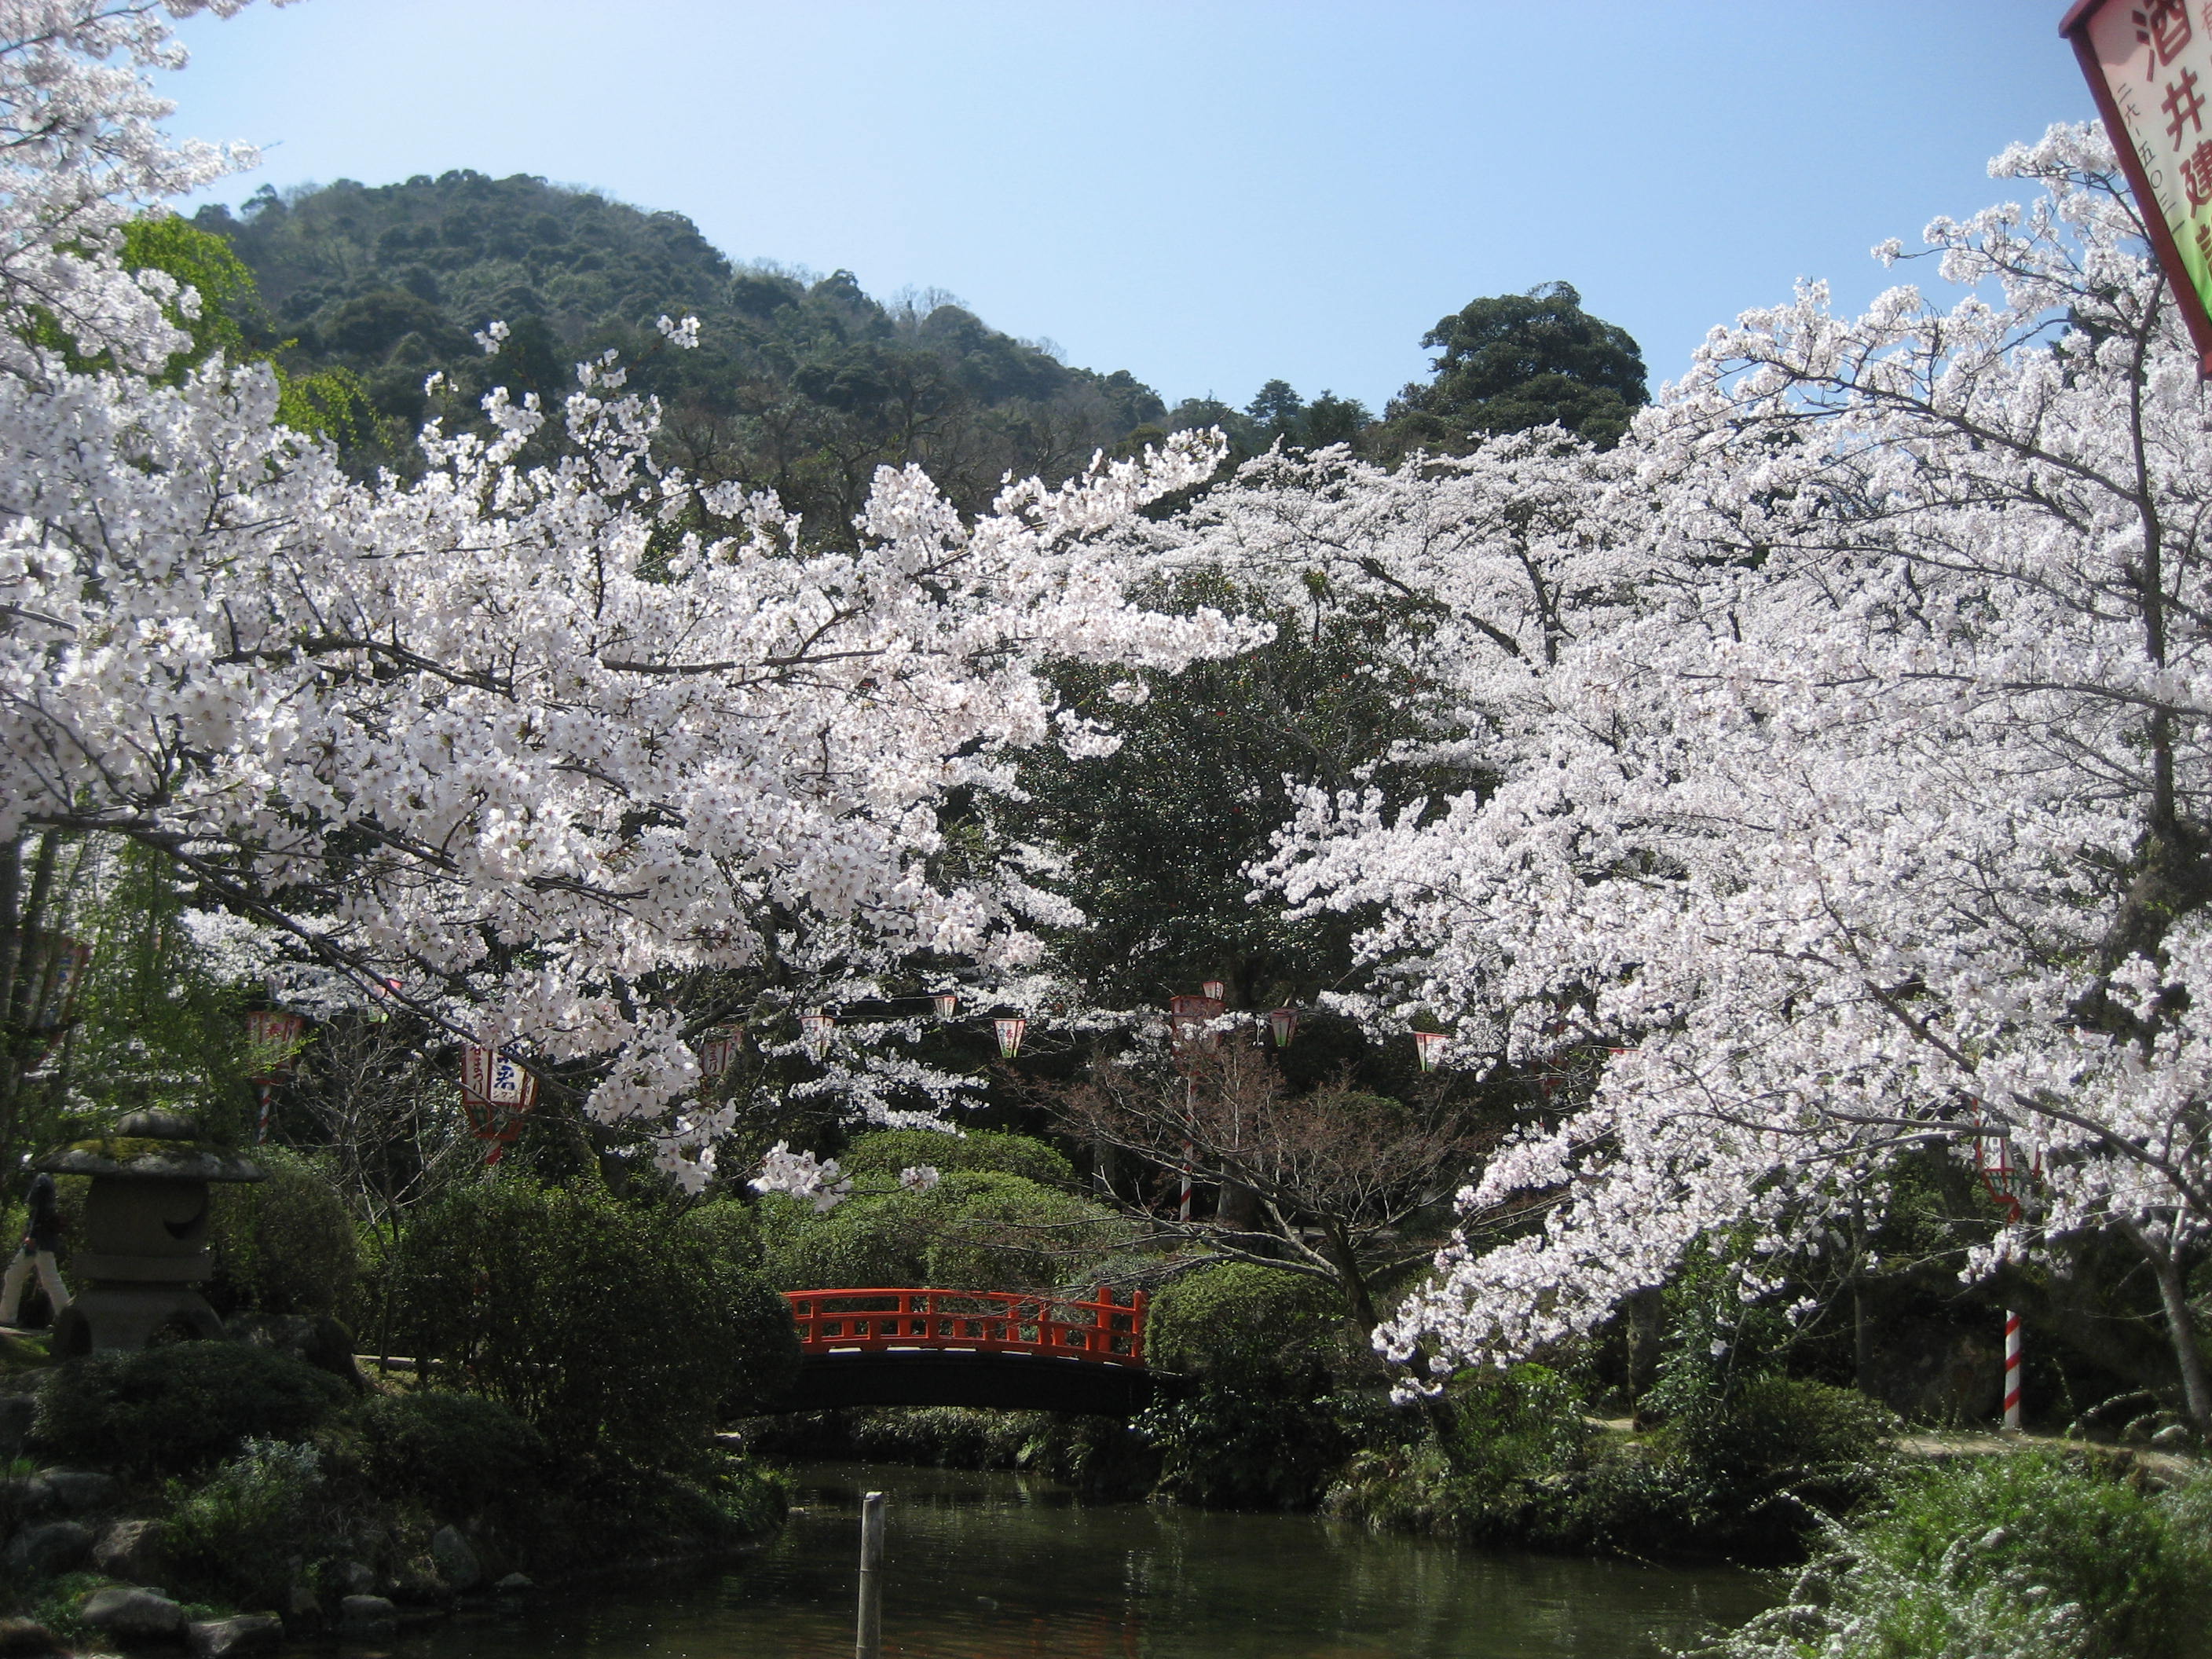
719	1050
273	1035
497	1092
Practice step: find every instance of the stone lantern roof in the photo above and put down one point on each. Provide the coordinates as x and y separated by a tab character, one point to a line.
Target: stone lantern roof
150	1145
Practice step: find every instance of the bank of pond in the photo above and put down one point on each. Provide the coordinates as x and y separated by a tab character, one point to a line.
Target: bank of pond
232	1496
570	1436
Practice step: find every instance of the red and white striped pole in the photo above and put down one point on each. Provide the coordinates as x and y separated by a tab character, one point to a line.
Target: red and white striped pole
2012	1370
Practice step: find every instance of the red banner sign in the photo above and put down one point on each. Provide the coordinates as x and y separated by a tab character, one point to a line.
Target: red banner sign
2150	67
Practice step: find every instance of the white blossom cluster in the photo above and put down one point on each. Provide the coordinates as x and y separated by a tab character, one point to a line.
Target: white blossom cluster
801	1175
463	731
1839	756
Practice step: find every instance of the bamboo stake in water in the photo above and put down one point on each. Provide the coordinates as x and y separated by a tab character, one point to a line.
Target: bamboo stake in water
871	1642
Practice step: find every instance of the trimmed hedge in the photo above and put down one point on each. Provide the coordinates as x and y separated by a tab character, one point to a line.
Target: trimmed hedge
977	1230
1242	1326
1262	1429
887	1152
172	1409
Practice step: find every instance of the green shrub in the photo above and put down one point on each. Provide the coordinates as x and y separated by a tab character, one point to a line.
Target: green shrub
731	1230
1512	1425
254	1526
2030	1556
1228	1449
283	1245
764	1360
179	1407
608	1328
1507	1458
887	1152
945	1436
860	1242
1748	1474
1261	1427
977	1230
1245	1327
458	1452
607	1511
990	1231
1827	1446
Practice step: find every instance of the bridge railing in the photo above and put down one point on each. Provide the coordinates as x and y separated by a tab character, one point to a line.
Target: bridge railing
985	1322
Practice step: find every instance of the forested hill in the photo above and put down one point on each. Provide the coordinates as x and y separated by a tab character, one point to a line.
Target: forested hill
802	385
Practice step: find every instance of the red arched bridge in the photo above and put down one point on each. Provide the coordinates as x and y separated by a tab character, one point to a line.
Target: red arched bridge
900	1346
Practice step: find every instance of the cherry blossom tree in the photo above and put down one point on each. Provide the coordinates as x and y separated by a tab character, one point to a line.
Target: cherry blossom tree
1878	816
504	734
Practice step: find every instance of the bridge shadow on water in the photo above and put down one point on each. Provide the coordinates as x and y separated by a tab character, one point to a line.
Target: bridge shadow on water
921	1376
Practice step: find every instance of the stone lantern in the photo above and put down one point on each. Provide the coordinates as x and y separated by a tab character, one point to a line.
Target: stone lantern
143	1246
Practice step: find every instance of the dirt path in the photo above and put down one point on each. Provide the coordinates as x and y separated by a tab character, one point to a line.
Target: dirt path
2169	1468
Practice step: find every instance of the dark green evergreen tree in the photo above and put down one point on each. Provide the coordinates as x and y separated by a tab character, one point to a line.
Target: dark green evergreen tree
1515	360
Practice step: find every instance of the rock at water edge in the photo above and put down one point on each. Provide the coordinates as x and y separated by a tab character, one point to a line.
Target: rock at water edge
132	1550
250	1632
130	1614
367	1615
456	1562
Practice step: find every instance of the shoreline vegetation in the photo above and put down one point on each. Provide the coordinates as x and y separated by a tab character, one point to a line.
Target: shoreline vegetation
276	1485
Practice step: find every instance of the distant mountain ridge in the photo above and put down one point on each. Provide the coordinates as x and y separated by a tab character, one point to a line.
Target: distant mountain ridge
800	385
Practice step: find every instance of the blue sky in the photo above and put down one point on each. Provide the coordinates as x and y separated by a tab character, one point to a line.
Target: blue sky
1209	193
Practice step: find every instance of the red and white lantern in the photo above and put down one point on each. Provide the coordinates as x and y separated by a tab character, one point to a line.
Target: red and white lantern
497	1092
274	1037
1429	1047
1010	1036
1214	988
719	1050
1282	1025
948	1003
814	1029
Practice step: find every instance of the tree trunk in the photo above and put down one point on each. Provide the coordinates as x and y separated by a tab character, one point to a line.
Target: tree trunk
22	914
2180	1327
1862	1340
1238	1209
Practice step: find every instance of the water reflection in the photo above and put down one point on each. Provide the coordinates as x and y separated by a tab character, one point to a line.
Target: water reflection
990	1566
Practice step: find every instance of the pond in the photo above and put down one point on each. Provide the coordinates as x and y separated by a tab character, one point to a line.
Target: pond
991	1566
